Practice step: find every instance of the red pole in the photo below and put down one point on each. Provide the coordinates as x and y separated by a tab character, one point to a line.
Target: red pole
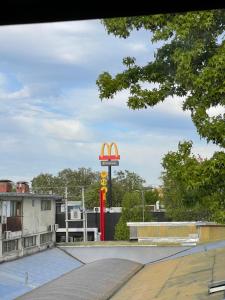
102	216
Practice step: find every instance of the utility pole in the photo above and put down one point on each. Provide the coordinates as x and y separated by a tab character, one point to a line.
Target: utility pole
143	205
66	203
84	217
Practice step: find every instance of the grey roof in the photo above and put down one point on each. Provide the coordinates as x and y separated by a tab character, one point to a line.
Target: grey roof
20	196
24	274
95	281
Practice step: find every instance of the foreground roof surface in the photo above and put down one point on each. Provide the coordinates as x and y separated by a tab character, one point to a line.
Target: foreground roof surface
95	281
23	275
181	278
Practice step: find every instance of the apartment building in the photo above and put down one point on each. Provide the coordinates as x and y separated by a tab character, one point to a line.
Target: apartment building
27	220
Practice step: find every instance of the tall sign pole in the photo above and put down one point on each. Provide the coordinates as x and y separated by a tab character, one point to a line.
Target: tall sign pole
109	194
103	192
108	159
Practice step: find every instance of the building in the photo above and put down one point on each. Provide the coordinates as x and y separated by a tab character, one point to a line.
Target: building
77	228
27	220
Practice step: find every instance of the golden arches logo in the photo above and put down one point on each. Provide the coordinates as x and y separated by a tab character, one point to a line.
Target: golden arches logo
109	155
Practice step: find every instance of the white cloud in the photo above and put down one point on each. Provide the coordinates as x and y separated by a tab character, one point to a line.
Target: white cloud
137	47
216	111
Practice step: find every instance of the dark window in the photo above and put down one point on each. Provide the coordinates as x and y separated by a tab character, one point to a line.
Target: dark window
45	238
15	208
45	205
29	241
10	246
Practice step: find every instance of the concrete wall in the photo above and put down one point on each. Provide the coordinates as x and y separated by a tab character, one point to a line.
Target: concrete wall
211	233
36	220
196	232
166	231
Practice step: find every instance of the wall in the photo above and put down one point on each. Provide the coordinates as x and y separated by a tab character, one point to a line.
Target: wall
36	220
211	233
111	219
166	231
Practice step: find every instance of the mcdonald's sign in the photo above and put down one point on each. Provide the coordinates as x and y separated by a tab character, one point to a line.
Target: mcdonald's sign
109	155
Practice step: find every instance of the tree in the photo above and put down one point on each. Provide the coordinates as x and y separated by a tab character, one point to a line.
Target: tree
151	196
194	187
44	183
73	179
190	63
131	212
125	181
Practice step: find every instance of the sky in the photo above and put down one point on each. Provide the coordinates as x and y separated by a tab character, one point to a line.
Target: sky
51	116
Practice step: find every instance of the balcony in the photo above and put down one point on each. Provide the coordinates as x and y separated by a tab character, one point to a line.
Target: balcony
12	224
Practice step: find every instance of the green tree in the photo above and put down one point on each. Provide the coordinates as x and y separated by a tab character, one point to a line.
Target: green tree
73	179
44	183
151	196
131	212
189	62
125	181
194	187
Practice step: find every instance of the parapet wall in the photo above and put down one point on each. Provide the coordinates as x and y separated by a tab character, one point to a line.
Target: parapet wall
176	232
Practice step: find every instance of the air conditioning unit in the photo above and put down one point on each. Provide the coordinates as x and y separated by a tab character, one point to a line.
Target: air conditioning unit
50	227
4	219
7	235
75	214
56	226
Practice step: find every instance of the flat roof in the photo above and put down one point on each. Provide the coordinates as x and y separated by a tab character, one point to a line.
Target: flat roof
29	195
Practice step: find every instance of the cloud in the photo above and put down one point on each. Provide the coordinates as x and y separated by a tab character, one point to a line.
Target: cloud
51	116
216	111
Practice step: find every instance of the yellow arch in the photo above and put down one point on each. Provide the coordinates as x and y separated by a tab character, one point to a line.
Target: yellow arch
103	149
115	148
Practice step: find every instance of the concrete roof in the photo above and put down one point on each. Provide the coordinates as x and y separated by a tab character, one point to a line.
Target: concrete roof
182	278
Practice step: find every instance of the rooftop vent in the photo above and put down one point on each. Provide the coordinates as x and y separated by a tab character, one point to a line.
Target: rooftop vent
22	187
5	186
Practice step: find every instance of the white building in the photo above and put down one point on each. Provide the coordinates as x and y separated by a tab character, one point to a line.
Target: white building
27	221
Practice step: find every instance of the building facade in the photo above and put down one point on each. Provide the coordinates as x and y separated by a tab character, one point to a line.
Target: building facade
91	228
27	221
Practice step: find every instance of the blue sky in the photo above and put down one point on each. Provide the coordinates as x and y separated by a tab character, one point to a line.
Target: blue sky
51	116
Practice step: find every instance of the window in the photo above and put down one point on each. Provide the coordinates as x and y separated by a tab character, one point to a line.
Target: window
29	241
45	205
45	238
15	208
10	246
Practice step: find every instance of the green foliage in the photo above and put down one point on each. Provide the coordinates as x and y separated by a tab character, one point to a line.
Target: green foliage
190	63
132	209
151	196
92	195
73	179
194	187
122	182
